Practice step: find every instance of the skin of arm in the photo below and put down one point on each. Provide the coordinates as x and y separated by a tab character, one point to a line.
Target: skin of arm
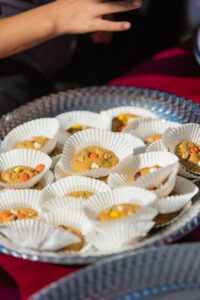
28	29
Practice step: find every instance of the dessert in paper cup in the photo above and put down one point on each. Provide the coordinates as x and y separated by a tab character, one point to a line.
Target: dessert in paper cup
139	166
184	141
23	168
70	220
19	205
127	202
75	121
161	183
156	146
184	190
93	153
74	187
152	131
120	235
40	134
123	115
37	235
47	179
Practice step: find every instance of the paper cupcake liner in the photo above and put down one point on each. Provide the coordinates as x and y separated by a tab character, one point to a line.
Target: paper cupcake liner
135	123
62	202
47	127
20	198
148	128
84	118
185	189
131	164
68	216
62	137
163	181
72	184
59	173
94	137
120	235
37	235
132	195
24	157
137	144
113	112
186	173
174	136
156	146
47	179
180	214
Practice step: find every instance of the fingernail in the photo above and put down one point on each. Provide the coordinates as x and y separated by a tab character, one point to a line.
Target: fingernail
137	3
126	25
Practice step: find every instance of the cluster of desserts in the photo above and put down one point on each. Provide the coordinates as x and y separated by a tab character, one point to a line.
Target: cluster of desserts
90	182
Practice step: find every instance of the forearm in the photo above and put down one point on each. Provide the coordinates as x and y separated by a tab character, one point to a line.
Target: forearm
26	30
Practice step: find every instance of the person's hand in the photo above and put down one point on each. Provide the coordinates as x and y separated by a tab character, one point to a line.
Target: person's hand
84	16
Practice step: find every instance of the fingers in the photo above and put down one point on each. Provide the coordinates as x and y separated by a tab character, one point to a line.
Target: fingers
119	6
112	26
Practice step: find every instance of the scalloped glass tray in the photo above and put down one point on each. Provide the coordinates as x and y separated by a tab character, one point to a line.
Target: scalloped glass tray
166	106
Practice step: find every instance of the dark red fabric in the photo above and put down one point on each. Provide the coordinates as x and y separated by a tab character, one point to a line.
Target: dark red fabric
174	71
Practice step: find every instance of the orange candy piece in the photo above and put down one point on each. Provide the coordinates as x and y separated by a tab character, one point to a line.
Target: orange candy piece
5	214
39	168
194	150
157	166
120	128
24	177
21	216
93	155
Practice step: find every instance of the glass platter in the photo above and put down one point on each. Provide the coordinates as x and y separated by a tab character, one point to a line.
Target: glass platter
166	106
155	274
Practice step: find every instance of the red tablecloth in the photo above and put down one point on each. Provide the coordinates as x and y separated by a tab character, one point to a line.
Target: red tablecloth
174	71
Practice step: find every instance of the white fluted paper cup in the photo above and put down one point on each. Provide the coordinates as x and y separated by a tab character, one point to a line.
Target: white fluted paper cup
24	157
129	166
46	127
132	125
20	198
127	195
172	219
185	190
68	216
37	235
61	139
137	144
61	202
174	136
156	146
138	111
162	182
148	128
71	184
47	179
59	173
83	118
94	137
120	235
